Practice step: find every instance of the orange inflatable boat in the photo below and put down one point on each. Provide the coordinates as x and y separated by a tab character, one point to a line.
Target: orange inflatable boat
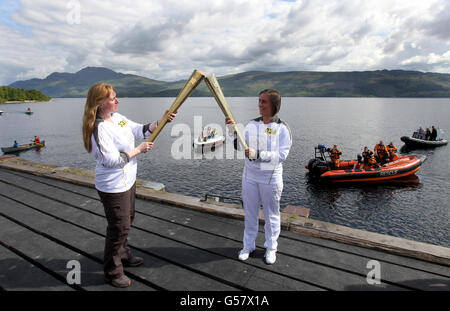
350	171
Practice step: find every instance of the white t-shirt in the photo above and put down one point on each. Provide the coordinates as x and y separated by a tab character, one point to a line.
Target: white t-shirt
115	172
273	142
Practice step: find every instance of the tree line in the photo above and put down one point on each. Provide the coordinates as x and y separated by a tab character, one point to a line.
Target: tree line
12	94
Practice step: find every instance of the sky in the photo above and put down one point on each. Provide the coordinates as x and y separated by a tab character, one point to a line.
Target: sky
167	39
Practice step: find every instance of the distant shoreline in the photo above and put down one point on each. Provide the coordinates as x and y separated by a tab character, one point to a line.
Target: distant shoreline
22	101
377	83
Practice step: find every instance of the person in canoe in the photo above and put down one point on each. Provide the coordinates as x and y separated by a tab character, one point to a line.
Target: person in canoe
392	151
36	140
335	154
15	145
110	138
381	153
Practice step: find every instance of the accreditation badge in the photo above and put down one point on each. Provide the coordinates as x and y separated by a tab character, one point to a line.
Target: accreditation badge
270	131
122	123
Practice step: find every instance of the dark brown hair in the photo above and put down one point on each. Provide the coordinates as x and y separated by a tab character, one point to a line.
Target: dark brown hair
275	99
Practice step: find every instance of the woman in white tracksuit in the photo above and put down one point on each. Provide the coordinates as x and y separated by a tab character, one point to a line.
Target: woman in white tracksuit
269	141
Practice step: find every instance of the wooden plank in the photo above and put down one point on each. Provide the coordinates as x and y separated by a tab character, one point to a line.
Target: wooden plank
154	270
18	274
320	229
370	253
51	255
310	273
303	251
357	264
318	273
228	271
98	208
55	256
339	255
202	221
310	252
401	275
297	210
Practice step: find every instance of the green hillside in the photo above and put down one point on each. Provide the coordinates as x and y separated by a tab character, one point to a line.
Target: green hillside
340	84
384	83
12	94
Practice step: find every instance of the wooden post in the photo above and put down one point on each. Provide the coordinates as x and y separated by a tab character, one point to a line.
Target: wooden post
215	89
189	87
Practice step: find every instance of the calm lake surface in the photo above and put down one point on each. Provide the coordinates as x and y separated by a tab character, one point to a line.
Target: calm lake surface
418	211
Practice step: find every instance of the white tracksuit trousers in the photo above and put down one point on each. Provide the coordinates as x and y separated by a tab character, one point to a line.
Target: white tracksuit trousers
268	195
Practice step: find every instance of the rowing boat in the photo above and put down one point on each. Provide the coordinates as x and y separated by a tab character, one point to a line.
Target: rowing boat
23	147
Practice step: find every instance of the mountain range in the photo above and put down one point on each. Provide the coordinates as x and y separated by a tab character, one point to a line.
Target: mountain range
380	83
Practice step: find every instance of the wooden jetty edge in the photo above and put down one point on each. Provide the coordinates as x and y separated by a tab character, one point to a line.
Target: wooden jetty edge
183	238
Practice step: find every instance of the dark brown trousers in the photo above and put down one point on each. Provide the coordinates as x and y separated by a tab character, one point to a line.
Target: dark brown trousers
119	211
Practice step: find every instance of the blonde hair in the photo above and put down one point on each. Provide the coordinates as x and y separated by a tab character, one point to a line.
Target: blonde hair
97	93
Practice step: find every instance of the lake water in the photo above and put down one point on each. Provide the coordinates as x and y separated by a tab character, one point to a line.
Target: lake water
418	211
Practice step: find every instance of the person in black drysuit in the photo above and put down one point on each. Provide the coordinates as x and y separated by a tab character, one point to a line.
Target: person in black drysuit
427	134
433	133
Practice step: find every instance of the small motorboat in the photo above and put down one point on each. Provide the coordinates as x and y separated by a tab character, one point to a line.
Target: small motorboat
23	147
1	112
350	171
412	142
212	142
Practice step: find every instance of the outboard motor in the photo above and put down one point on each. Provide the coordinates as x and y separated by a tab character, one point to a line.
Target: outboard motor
319	164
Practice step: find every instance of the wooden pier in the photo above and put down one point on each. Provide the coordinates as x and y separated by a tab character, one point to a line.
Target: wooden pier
49	219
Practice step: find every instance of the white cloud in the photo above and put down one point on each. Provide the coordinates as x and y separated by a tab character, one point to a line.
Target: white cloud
430	59
167	39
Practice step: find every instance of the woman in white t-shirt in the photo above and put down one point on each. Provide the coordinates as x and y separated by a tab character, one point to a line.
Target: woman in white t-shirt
110	138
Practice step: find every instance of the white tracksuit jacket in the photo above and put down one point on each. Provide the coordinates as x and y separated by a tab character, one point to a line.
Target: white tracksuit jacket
262	179
115	171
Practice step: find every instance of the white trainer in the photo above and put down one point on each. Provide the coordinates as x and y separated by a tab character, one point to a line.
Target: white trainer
244	254
270	256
